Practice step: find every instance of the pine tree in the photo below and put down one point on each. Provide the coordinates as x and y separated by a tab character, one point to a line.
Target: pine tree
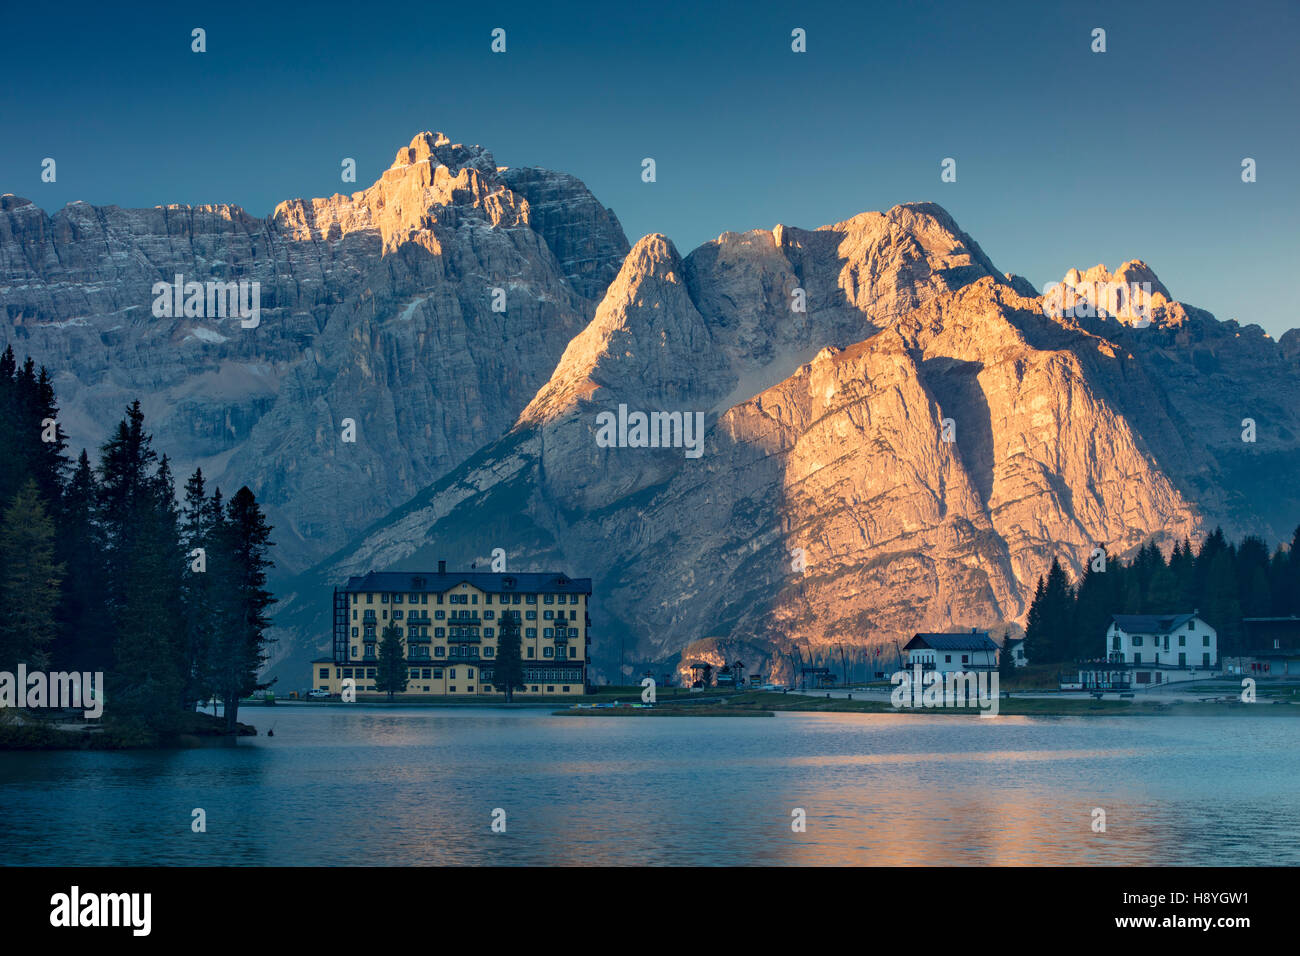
1223	603
1095	601
508	672
1006	660
196	525
242	602
83	643
391	676
1049	636
29	587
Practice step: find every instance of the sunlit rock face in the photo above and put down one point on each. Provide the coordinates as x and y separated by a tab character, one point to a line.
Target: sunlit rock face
897	435
375	307
908	452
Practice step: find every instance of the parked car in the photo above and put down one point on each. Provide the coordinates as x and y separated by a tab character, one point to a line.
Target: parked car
318	694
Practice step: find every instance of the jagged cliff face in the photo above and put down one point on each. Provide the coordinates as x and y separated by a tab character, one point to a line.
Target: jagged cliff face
897	437
908	454
376	307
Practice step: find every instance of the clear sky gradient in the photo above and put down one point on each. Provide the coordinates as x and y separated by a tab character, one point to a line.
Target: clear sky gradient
1064	157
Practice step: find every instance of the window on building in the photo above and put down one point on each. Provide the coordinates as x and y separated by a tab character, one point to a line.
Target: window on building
548	615
530	599
488	632
565	688
1205	660
324	673
550	689
370	598
530	615
548	652
1182	640
573	652
530	632
1137	640
489	615
1205	641
548	599
548	632
532	652
437	673
489	652
440	652
383	598
1137	657
397	599
354	632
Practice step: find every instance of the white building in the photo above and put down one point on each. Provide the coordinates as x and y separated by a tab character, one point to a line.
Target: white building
947	653
1143	650
1015	646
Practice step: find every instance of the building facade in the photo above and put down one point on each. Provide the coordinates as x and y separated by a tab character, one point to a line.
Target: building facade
450	623
1144	650
949	653
1016	648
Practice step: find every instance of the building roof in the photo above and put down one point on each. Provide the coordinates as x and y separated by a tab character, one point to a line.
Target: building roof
490	581
1150	623
969	641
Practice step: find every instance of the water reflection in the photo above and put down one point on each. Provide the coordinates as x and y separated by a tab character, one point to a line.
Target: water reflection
363	786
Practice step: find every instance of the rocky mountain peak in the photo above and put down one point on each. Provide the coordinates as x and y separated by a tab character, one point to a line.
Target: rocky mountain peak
1132	294
437	148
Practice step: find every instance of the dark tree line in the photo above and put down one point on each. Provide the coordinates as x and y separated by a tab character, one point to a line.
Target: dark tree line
102	570
1225	582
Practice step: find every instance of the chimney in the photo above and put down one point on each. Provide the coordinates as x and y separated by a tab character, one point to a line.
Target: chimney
442	567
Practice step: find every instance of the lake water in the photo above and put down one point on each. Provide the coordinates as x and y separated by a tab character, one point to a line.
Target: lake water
367	785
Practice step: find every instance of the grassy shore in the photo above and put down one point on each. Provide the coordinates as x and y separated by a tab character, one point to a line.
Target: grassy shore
1019	706
665	710
52	731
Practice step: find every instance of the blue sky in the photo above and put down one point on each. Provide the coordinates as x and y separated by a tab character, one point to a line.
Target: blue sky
1064	157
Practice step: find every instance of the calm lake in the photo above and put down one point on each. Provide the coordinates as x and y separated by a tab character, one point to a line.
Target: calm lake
362	785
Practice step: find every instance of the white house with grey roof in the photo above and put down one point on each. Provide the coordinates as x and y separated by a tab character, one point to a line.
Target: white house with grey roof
947	653
1145	650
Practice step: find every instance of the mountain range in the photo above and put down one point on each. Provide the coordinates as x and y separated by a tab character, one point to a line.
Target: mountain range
898	436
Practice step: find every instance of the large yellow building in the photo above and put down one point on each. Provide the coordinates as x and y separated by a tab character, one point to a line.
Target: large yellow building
449	623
